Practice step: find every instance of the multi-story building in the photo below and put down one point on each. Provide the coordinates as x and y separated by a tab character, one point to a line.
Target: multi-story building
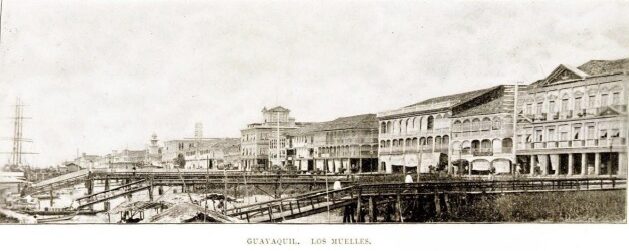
214	155
341	145
261	142
482	132
88	161
124	159
574	122
185	146
419	134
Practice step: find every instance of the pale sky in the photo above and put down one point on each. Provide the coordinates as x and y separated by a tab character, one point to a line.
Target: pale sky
103	75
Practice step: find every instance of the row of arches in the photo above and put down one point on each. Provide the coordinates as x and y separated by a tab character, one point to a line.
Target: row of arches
412	124
428	144
483	147
346	151
477	124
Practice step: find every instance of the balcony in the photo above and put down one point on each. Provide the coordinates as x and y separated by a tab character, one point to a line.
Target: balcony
614	141
541	117
565	143
366	153
606	142
622	108
482	152
578	143
538	145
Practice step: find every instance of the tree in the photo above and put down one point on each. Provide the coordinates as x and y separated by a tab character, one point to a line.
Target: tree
180	161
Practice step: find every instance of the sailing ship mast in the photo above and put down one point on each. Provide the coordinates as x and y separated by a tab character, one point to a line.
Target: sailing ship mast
18	139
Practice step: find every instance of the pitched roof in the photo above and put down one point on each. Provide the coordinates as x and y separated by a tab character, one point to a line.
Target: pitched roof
491	107
455	98
276	109
602	67
589	69
363	121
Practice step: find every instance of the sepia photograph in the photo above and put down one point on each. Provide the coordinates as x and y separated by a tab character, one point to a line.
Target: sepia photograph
333	113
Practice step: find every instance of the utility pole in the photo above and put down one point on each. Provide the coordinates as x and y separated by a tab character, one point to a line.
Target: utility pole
515	122
419	160
279	163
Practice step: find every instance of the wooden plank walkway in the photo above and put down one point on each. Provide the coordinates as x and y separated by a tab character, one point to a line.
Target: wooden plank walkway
63	178
316	202
295	206
107	195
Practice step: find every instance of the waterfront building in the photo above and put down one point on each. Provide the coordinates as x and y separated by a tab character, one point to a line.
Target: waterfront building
125	159
214	155
261	142
346	144
574	121
482	132
172	148
419	134
88	161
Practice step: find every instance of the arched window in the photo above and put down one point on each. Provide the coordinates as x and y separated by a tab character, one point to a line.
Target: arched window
418	123
429	143
456	126
486	146
456	146
438	122
389	127
486	124
383	127
430	123
497	145
465	147
445	143
414	143
497	124
407	126
466	126
507	145
475	146
438	143
476	125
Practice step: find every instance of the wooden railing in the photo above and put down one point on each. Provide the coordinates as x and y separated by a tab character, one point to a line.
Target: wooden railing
496	186
295	206
106	195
